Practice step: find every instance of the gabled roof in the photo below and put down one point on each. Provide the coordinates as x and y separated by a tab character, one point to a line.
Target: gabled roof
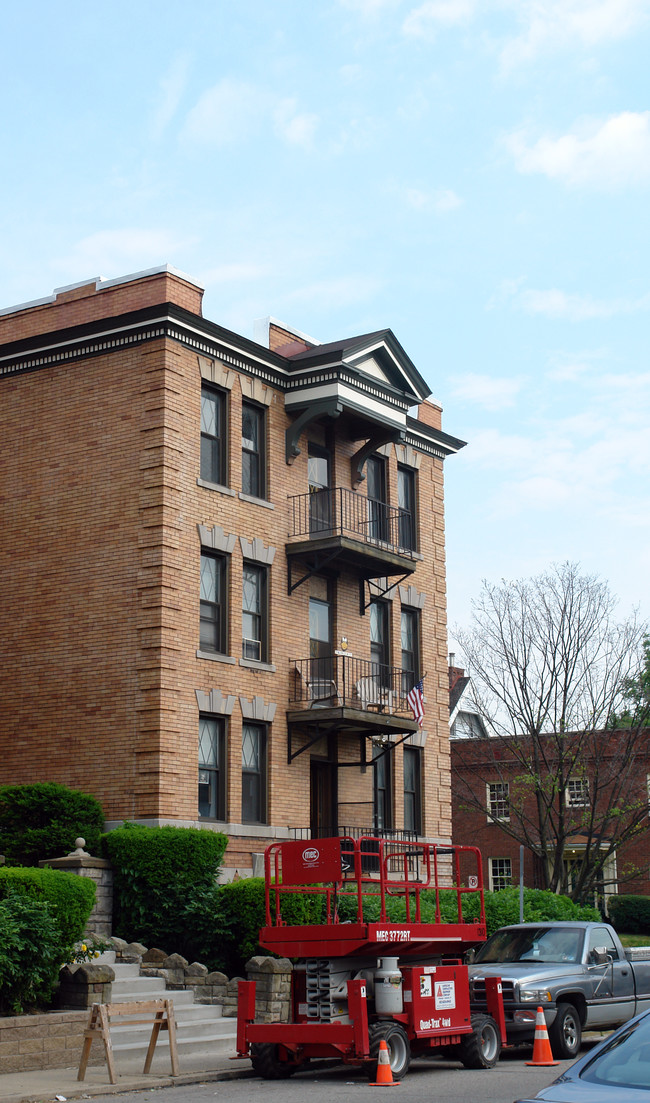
378	354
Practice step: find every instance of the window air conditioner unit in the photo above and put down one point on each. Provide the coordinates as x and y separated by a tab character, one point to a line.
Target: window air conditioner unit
252	649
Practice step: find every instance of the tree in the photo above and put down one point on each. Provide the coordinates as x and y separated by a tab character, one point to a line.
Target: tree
551	668
637	695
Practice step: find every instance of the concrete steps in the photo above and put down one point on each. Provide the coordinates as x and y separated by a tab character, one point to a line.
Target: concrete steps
201	1030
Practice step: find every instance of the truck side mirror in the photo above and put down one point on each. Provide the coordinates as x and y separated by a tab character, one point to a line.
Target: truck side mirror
599	956
470	955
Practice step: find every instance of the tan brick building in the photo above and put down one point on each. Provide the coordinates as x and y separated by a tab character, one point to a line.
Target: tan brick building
224	558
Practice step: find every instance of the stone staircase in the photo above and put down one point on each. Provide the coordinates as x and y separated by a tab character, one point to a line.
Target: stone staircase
206	1039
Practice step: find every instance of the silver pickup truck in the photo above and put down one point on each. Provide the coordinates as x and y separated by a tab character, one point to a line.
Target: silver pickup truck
578	972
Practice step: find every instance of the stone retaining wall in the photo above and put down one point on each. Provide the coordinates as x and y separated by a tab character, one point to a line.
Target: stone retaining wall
50	1041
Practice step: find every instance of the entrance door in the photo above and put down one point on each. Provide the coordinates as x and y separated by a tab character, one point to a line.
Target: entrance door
324	799
321	676
318	474
376	489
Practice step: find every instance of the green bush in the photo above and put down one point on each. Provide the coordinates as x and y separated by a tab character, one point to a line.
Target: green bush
630	914
68	897
156	871
241	913
30	953
43	820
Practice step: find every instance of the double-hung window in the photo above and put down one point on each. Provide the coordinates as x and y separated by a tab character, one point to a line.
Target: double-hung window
212	767
407	526
412	790
500	873
498	800
410	638
213	435
382	789
213	627
254	612
253	764
577	792
253	444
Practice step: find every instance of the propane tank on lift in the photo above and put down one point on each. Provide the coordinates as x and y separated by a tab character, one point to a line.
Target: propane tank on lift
388	987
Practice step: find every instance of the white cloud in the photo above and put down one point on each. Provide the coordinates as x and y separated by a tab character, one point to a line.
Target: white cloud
370	8
111	253
172	86
233	273
425	20
554	24
225	113
553	303
565	367
486	391
440	202
338	292
295	127
605	155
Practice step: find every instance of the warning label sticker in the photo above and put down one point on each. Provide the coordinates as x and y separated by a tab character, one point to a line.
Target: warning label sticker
445	994
425	986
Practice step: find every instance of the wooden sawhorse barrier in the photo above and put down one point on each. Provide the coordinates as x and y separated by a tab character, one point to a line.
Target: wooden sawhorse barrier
99	1025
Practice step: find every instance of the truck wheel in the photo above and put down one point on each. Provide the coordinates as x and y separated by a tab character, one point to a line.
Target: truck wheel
482	1048
399	1050
267	1063
565	1032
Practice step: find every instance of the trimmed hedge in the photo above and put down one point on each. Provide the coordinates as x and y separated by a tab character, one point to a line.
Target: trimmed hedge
630	914
157	870
43	820
30	952
69	899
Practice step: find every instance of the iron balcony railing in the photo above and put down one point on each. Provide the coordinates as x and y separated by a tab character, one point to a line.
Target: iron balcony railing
347	682
341	512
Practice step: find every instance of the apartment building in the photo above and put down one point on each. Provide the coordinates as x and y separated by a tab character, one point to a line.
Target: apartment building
223	569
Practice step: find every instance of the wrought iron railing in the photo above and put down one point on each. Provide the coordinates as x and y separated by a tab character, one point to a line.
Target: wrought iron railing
341	512
348	682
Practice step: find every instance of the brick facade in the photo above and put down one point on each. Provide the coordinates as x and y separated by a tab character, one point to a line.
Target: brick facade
104	514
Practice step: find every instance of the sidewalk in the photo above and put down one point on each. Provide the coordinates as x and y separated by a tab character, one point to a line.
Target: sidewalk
44	1086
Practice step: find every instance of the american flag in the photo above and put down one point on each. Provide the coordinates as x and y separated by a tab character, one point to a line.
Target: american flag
415	699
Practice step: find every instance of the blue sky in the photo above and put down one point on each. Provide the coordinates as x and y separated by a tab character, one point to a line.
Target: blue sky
471	173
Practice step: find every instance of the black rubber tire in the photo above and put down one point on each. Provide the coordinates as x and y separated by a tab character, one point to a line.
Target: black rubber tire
565	1032
267	1064
482	1048
399	1049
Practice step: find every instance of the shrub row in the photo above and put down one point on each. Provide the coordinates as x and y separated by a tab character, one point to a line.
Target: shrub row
43	820
42	913
630	914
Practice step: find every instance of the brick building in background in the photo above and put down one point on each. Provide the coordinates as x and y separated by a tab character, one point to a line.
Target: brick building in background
491	790
223	561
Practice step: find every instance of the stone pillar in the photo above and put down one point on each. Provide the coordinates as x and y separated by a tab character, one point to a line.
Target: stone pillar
100	921
83	985
272	978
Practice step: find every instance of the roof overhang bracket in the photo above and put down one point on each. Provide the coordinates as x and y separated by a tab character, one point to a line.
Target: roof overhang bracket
379	437
324	407
363	604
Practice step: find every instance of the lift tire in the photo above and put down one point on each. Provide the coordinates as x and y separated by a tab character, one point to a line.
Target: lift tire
482	1048
565	1032
399	1049
267	1063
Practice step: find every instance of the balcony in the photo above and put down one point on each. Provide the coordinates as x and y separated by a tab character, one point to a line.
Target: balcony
340	693
372	537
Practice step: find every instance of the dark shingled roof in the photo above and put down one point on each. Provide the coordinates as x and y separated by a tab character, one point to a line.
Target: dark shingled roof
456	693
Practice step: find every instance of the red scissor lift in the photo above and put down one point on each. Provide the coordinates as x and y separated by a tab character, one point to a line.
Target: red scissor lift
357	982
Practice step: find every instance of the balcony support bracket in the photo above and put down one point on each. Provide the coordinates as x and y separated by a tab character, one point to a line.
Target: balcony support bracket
363	604
317	565
358	460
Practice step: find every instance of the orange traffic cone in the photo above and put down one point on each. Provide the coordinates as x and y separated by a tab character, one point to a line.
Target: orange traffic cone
542	1054
384	1071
